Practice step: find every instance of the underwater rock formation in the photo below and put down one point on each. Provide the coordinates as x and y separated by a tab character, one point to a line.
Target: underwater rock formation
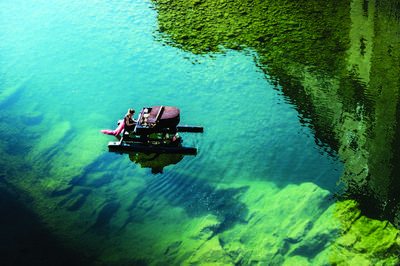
359	238
274	233
294	223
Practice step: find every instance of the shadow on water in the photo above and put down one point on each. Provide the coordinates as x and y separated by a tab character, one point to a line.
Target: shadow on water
104	217
336	62
196	196
80	187
25	240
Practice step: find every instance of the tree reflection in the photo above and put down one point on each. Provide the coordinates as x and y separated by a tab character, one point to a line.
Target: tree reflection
337	62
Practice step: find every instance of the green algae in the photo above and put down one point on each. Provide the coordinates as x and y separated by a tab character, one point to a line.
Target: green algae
363	241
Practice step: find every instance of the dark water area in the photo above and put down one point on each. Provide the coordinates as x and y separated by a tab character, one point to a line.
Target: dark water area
25	240
297	165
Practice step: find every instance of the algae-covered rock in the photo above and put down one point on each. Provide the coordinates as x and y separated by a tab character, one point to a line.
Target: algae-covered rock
203	229
364	241
210	253
291	224
296	260
50	140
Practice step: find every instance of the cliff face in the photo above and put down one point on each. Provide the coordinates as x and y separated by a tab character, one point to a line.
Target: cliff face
338	63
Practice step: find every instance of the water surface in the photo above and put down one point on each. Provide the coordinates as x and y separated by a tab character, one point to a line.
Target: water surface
259	190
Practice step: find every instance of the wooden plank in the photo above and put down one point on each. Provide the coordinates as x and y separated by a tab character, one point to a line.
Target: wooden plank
187	128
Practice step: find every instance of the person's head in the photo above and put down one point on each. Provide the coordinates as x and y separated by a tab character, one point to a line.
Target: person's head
131	112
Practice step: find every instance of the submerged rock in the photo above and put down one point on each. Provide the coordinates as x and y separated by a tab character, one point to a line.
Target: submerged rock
204	229
104	216
32	119
364	241
289	225
296	226
211	253
12	94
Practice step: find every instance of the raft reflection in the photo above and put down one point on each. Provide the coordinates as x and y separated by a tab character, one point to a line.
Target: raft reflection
155	161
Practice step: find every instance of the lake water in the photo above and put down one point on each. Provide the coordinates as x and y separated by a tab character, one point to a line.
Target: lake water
260	189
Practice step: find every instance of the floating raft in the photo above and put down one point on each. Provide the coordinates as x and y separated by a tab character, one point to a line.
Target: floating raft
160	120
116	146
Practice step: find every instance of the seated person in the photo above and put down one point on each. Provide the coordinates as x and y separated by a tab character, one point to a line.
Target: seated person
130	123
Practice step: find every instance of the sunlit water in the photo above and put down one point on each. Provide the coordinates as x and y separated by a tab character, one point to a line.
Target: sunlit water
72	68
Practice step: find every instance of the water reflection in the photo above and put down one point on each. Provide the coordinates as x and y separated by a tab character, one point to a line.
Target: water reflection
195	196
155	161
337	63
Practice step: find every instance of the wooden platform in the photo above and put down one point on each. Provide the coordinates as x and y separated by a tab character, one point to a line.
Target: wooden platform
150	148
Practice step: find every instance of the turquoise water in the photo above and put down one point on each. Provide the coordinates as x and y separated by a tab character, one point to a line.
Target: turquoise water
72	68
